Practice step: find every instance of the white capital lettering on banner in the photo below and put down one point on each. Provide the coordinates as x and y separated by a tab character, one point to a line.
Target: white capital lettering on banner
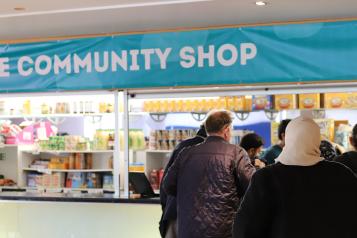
43	59
147	57
134	60
20	66
82	63
121	61
163	56
4	67
234	55
209	56
61	64
245	55
97	65
187	57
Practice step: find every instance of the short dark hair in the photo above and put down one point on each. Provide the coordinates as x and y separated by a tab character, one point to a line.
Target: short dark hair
282	127
217	120
354	135
251	140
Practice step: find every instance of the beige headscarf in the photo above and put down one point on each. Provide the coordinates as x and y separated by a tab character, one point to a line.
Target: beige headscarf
302	141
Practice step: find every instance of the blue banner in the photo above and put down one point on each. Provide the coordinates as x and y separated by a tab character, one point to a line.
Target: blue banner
245	55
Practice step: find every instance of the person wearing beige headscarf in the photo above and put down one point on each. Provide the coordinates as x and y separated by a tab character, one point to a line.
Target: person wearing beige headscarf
301	195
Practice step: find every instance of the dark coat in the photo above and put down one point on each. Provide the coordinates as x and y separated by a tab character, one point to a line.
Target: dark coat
299	201
209	180
349	159
168	202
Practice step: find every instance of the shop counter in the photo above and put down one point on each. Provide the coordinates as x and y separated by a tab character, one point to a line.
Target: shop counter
62	197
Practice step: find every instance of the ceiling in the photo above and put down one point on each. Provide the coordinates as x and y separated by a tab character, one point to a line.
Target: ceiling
44	18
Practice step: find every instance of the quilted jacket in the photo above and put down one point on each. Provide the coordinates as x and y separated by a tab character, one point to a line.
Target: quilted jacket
208	180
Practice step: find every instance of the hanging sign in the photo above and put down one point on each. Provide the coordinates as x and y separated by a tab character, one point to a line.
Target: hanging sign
245	55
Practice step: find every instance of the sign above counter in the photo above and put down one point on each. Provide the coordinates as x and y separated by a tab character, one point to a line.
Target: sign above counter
294	53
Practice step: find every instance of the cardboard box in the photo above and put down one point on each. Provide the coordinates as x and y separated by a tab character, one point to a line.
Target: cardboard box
262	102
285	101
309	101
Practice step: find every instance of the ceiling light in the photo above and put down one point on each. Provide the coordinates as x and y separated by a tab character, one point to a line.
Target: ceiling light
261	3
19	8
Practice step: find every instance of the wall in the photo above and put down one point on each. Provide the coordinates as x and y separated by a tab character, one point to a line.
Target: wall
78	220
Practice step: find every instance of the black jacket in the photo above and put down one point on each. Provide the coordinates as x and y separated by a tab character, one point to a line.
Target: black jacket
168	202
349	159
208	180
296	201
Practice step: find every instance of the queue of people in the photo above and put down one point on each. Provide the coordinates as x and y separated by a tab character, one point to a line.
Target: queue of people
295	190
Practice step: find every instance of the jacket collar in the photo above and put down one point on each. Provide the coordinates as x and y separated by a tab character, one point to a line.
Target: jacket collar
215	138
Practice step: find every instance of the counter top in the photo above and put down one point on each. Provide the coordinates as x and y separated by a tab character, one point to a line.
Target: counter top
81	197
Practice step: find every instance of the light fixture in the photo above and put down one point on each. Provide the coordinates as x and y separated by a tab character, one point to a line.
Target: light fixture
19	8
261	3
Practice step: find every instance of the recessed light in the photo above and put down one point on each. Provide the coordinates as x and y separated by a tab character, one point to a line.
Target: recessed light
261	3
19	8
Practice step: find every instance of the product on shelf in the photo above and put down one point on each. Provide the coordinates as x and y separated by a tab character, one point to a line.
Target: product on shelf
327	128
76	180
68	143
262	102
168	139
93	180
342	135
54	180
340	100
309	101
136	167
154	179
285	101
108	181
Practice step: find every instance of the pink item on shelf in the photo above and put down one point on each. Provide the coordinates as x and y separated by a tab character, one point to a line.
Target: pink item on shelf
11	140
26	136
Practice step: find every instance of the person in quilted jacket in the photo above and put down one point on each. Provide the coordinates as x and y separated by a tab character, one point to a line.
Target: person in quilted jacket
209	180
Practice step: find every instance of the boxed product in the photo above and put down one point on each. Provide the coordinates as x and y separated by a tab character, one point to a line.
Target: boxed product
108	181
93	180
262	102
76	180
309	101
327	128
334	100
285	101
274	132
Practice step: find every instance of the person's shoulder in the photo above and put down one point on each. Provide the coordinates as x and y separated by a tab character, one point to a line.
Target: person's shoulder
337	169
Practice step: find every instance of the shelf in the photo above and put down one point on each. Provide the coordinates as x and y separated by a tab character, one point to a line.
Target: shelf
159	151
48	171
54	115
67	189
7	145
67	151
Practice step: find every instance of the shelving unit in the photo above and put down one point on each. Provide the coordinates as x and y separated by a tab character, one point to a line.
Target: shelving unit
64	115
48	171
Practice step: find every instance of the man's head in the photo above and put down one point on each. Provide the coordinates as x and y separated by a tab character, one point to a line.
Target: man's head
353	137
218	123
281	130
253	144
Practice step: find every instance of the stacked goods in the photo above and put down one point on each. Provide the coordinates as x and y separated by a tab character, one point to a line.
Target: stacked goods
73	161
168	139
68	143
309	101
83	180
340	100
54	180
285	101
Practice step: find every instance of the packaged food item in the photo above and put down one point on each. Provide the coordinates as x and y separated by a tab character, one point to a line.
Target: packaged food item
71	161
262	102
108	181
76	180
154	179
309	101
31	180
26	108
79	161
136	167
93	180
89	161
285	101
327	128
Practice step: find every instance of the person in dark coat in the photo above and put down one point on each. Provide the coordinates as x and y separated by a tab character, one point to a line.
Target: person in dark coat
350	158
274	151
208	180
253	145
168	202
302	195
